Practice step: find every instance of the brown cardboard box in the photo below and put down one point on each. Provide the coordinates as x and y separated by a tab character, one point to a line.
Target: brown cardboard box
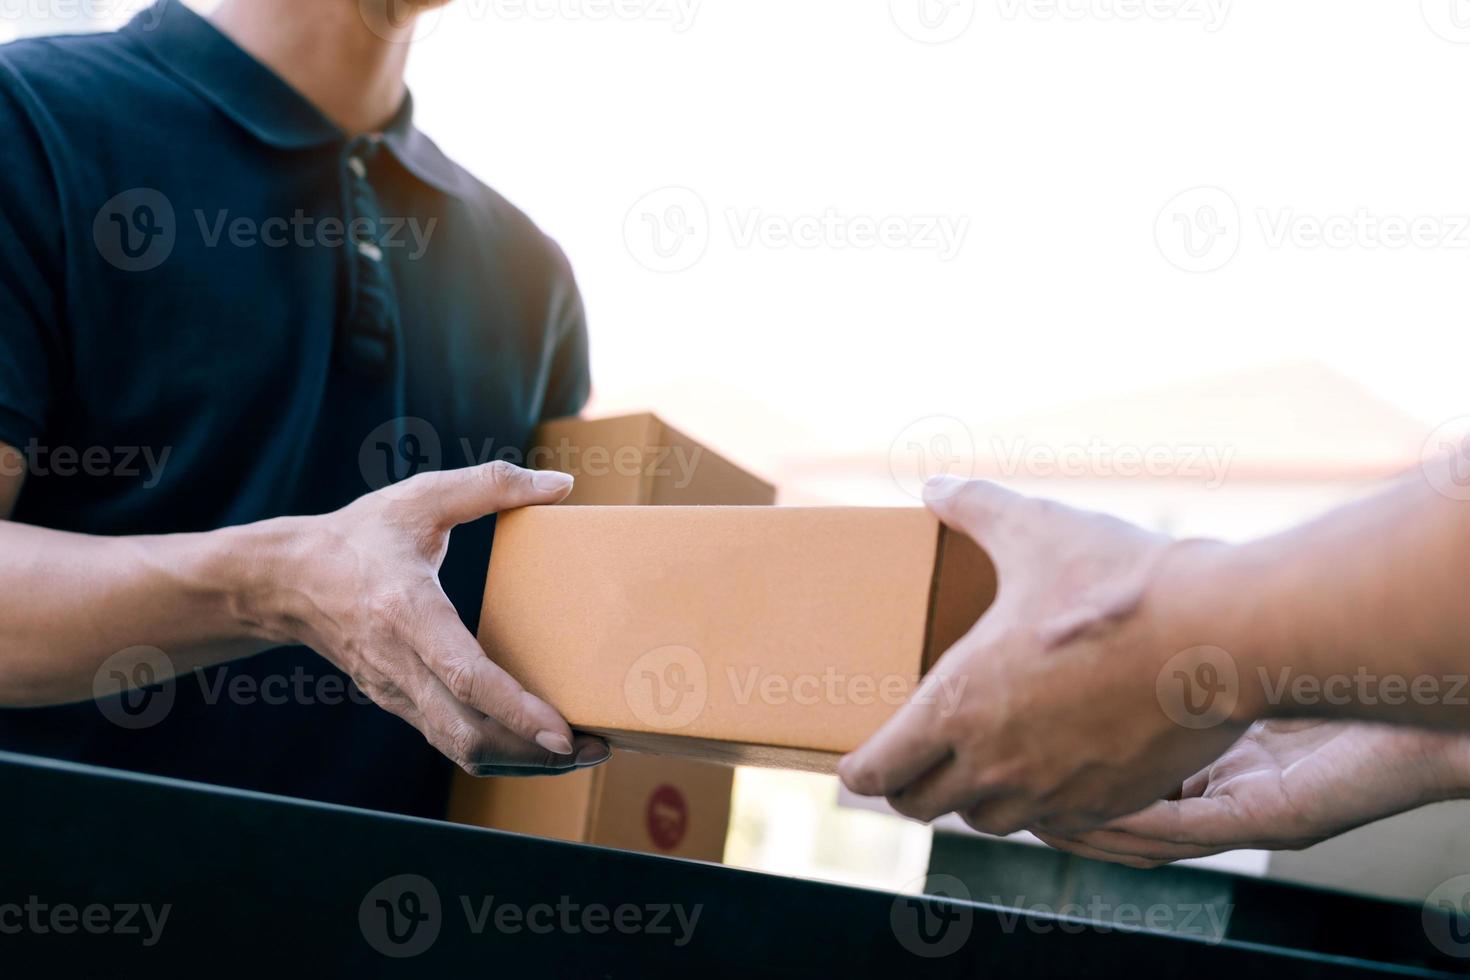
746	635
638	802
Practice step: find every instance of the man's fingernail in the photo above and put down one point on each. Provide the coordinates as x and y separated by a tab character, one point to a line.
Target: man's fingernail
552	742
550	480
591	755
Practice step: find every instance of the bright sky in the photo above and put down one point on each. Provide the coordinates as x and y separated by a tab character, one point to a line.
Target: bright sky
1054	142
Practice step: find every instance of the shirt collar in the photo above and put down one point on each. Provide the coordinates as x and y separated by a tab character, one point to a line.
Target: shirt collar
264	104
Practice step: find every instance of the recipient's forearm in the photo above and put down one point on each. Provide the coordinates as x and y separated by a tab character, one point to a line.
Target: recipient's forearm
68	602
1364	613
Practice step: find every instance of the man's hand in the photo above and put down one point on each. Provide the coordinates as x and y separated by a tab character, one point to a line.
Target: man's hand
1286	785
1058	722
361	587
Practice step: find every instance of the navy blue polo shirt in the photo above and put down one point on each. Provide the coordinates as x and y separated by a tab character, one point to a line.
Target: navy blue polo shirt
216	308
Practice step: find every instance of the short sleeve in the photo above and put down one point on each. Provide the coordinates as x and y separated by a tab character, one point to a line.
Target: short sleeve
31	268
570	382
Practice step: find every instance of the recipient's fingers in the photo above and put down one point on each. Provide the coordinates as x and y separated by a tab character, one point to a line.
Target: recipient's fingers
977	508
1083	850
946	788
464	495
473	679
1202	821
908	745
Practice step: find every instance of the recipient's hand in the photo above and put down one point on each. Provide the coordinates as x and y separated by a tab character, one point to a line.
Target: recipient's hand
1057	720
361	587
1286	785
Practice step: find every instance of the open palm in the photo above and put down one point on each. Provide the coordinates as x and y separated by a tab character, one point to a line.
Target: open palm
1283	785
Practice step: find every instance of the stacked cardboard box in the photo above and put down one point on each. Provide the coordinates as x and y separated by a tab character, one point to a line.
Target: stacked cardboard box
638	802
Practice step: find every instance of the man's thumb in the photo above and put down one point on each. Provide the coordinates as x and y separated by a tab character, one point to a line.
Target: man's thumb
470	493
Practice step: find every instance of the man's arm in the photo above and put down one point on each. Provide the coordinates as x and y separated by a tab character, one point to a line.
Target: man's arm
1115	663
360	586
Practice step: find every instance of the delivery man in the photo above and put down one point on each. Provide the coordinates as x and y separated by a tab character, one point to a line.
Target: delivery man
238	286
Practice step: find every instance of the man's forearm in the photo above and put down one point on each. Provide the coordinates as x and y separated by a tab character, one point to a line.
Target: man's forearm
70	601
1362	613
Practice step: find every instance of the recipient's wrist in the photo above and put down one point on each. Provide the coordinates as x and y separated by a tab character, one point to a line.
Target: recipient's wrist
1199	596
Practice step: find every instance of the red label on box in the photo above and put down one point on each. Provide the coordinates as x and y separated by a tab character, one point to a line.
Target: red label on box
668	817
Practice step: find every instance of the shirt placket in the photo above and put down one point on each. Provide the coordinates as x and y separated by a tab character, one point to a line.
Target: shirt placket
372	329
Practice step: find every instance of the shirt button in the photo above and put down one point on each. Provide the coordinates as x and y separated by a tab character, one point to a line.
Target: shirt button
371	251
356	165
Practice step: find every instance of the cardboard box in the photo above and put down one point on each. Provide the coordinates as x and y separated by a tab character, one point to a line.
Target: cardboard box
745	635
637	802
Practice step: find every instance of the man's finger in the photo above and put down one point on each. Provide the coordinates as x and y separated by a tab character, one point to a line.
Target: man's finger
474	680
479	744
468	494
908	745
